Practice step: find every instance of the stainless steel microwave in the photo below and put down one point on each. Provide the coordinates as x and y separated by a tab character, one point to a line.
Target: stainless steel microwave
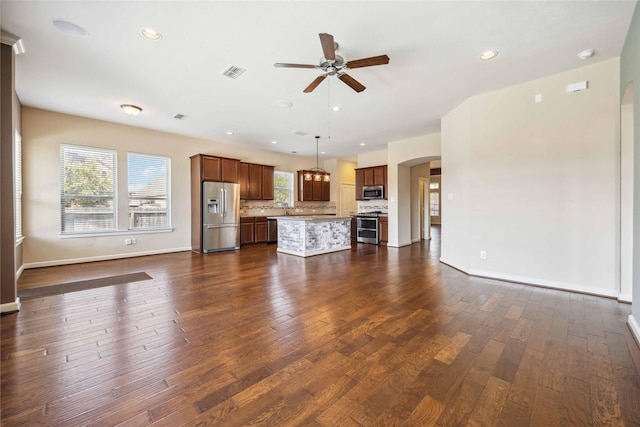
373	192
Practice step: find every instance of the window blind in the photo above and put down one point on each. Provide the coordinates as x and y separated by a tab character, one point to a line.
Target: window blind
88	178
18	182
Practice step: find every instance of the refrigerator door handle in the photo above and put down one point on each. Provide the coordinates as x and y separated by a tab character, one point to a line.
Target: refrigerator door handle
223	209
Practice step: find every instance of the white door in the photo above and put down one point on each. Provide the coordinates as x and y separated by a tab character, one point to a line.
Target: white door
348	204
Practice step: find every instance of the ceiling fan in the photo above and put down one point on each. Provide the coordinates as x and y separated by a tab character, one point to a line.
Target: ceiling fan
333	64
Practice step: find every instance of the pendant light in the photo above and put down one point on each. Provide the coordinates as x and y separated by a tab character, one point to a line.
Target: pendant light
317	173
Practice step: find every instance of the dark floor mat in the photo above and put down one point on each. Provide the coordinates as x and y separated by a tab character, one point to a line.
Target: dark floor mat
25	294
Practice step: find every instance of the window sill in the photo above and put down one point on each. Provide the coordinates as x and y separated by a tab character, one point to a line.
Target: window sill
115	233
19	240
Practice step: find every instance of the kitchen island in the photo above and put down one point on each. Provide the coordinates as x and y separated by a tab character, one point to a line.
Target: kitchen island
313	235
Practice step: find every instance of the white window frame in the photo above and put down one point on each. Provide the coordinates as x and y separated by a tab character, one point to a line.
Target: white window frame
290	189
114	196
130	223
18	190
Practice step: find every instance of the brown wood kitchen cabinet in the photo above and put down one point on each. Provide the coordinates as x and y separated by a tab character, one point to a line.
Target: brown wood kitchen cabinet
256	181
365	177
247	230
384	229
213	168
253	229
312	190
260	230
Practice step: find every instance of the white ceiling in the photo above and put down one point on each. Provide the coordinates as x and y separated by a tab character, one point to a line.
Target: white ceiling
433	48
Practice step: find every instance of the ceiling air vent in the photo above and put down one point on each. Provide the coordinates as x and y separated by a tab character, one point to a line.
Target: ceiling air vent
232	71
179	116
300	133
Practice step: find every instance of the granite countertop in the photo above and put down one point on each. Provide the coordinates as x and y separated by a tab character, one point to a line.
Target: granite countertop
322	217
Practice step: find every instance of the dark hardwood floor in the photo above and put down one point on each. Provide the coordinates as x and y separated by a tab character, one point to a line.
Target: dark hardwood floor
372	336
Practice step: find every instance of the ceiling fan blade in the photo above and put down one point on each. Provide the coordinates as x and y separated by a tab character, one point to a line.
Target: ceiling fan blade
284	65
352	83
314	84
368	62
328	48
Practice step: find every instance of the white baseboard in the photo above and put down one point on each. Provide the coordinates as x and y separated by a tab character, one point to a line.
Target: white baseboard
398	245
453	265
19	272
624	298
546	283
10	307
635	328
572	287
101	258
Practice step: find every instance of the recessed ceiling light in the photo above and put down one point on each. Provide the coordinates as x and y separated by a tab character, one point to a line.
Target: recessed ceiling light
132	110
490	54
586	54
229	132
151	34
336	108
70	28
362	144
284	104
322	152
274	142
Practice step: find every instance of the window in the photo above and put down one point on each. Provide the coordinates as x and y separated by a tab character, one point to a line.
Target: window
434	185
148	189
282	188
434	203
18	182
88	178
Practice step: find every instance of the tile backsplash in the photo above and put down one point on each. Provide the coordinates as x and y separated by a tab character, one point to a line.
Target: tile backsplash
266	208
373	205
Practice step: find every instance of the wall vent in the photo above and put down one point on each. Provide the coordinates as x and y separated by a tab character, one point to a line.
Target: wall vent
179	116
232	71
300	133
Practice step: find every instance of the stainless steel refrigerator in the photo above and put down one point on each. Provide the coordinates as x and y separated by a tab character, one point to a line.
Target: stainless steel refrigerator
221	216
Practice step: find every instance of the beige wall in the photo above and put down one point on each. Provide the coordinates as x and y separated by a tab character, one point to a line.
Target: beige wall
630	72
535	185
44	131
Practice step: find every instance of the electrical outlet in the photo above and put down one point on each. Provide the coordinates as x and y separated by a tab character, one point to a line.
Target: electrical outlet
483	254
127	242
134	241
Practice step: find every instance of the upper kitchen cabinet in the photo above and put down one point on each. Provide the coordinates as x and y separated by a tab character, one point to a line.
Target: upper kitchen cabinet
212	168
256	181
311	189
371	176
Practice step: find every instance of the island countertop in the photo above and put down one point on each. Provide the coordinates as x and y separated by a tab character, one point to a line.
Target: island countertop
309	218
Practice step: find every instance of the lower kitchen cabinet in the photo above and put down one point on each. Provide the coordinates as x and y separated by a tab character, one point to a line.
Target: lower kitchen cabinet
384	230
247	227
253	229
261	229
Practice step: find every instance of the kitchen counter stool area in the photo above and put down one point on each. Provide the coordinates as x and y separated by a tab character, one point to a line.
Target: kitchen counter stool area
313	235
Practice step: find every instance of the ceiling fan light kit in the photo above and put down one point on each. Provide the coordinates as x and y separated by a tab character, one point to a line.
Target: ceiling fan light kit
333	64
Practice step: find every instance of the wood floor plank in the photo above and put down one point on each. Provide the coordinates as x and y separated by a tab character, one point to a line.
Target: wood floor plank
489	406
389	337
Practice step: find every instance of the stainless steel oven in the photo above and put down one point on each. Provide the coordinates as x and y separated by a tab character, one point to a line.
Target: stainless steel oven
368	230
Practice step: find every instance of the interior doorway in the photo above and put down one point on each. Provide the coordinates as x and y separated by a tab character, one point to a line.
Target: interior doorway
626	195
425	220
